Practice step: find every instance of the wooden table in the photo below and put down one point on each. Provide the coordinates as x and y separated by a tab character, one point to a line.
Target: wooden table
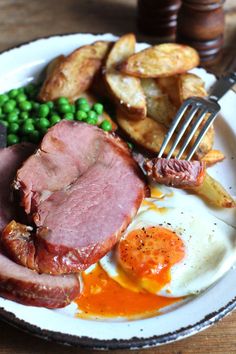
24	20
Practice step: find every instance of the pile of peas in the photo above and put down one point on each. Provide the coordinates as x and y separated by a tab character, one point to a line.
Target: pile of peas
26	119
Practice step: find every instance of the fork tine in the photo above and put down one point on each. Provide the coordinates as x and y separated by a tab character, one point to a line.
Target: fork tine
174	124
203	131
191	133
184	126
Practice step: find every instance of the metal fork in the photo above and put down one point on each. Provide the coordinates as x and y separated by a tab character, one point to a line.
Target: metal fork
197	108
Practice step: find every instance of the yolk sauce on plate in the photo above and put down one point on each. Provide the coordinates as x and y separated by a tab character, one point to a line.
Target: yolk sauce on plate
104	297
145	257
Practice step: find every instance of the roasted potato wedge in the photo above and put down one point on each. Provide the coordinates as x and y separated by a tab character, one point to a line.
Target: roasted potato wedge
91	100
73	74
147	133
159	106
213	192
170	86
212	157
160	61
190	85
126	90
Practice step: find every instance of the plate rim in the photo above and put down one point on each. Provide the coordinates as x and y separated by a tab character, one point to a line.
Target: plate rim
112	344
109	344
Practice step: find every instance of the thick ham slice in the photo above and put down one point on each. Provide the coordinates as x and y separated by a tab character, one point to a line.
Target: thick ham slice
175	173
17	282
82	188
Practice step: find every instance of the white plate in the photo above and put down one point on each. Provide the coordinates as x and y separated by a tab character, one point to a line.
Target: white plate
23	64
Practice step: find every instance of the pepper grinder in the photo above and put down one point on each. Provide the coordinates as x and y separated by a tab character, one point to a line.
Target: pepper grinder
201	25
158	18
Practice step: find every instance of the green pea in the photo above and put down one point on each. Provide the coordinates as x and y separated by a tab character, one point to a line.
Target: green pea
80	115
3	98
27	128
64	108
43	123
34	137
80	101
9	106
84	107
16	111
12	117
35	106
55	119
13	93
50	104
21	97
106	125
25	106
92	115
1	113
3	122
69	116
12	139
21	89
13	128
98	108
24	115
62	101
43	131
43	110
92	121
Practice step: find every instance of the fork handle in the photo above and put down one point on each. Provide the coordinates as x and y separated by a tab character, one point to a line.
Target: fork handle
222	86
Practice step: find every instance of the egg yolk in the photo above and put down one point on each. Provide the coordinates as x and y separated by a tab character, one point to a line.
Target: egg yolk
148	254
102	296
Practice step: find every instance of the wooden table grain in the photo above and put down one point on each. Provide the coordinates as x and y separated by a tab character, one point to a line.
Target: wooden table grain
24	20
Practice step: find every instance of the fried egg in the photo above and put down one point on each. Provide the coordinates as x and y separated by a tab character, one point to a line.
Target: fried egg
172	251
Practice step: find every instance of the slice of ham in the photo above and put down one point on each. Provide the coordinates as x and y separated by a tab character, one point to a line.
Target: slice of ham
82	188
175	173
19	283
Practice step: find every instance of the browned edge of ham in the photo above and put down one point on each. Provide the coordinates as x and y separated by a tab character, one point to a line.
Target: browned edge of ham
175	173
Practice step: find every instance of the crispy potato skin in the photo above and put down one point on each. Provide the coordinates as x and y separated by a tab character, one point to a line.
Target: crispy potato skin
213	192
212	157
126	91
161	60
73	75
147	133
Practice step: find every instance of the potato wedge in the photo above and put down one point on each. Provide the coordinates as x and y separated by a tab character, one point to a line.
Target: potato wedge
159	106
160	61
170	86
147	133
91	100
190	85
126	90
74	74
212	157
214	193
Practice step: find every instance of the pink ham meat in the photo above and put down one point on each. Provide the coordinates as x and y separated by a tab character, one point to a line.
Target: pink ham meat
17	282
82	188
175	173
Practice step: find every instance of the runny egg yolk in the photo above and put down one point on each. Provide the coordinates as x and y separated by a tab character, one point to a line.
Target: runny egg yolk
148	254
102	296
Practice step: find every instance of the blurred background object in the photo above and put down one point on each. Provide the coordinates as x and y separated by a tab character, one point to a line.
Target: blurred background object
201	25
158	18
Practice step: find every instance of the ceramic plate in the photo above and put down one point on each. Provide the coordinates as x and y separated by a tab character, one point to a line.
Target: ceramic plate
23	64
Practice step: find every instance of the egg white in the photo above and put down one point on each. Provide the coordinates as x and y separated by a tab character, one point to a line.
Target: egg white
210	245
